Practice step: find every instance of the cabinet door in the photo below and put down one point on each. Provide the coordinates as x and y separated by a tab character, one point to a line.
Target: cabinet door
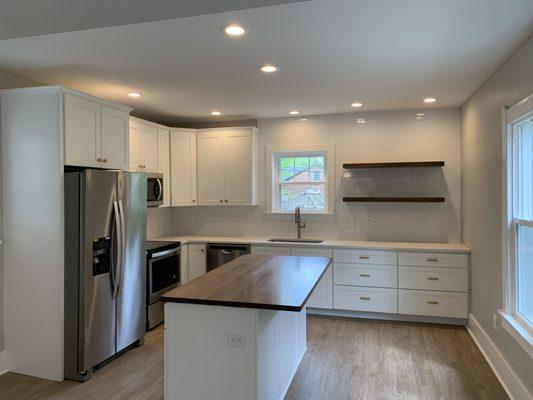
115	138
196	260
238	171
135	147
322	296
211	146
271	251
163	162
183	167
148	147
82	132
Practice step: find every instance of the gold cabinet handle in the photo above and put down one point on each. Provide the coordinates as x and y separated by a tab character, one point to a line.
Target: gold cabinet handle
431	278
364	257
140	165
222	201
104	160
364	275
432	302
432	259
225	201
364	298
194	201
99	159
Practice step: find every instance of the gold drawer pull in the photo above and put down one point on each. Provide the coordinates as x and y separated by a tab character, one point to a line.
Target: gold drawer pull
364	298
433	279
364	275
432	302
433	259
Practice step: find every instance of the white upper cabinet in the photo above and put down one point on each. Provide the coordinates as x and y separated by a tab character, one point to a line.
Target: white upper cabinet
163	161
82	132
143	146
115	138
183	167
96	135
227	159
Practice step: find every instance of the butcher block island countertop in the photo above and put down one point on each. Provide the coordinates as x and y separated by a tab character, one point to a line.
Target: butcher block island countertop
281	283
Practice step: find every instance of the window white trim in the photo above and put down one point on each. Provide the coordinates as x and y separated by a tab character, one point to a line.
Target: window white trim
270	176
512	322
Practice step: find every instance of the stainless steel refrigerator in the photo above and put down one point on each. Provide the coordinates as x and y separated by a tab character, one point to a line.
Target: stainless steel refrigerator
105	267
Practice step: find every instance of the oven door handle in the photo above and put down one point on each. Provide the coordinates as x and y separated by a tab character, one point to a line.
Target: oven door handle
165	253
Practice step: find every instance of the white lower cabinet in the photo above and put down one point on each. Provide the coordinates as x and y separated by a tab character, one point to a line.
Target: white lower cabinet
271	251
322	296
425	278
433	303
365	299
184	264
197	262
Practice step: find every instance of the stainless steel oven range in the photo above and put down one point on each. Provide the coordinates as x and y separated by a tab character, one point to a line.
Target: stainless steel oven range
163	274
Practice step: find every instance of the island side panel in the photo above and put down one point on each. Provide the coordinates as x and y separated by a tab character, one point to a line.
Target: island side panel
281	345
200	363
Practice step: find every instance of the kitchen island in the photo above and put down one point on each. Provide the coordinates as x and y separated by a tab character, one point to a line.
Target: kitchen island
239	332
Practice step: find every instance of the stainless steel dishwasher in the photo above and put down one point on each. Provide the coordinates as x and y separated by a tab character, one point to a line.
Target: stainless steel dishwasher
219	253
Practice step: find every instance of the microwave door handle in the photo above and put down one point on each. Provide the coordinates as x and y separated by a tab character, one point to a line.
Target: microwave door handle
118	262
122	246
160	185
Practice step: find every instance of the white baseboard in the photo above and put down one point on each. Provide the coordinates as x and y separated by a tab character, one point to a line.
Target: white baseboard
3	362
503	371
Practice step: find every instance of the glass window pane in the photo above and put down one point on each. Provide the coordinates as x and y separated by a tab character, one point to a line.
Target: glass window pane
286	168
301	165
307	197
525	272
524	171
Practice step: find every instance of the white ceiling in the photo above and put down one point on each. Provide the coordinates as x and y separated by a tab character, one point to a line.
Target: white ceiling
387	54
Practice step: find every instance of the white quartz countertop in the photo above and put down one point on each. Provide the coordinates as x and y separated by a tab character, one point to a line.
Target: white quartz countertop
331	243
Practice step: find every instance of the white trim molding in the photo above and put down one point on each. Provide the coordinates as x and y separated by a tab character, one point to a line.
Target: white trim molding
512	384
519	331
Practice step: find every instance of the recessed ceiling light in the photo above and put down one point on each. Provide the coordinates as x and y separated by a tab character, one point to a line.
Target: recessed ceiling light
430	100
233	30
269	68
294	112
357	105
216	113
360	121
420	114
303	119
134	94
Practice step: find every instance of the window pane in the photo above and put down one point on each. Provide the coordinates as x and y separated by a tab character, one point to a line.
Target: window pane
302	169
525	272
307	197
286	168
524	171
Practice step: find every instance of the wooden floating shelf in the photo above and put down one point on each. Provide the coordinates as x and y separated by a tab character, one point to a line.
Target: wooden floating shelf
402	164
394	199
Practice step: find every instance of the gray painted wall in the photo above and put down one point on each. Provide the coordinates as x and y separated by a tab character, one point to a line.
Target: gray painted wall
7	80
482	188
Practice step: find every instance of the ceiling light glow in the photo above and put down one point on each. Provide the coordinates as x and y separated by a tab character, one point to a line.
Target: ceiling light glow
430	100
357	105
269	68
360	121
134	94
303	119
216	113
233	30
294	112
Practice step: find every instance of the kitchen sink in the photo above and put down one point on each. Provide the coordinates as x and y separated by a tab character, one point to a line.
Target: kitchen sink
289	240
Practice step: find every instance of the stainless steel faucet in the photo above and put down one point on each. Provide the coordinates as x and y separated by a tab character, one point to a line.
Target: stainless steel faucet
298	221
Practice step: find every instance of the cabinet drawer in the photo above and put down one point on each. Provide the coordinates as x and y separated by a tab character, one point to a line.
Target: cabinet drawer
271	251
301	251
433	260
365	275
365	257
365	299
437	304
451	279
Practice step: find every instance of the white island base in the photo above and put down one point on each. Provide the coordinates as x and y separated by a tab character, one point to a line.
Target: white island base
231	353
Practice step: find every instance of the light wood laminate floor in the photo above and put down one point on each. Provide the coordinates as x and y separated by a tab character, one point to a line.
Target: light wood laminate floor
346	359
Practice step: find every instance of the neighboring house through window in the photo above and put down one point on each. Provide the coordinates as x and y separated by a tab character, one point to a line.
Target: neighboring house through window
300	176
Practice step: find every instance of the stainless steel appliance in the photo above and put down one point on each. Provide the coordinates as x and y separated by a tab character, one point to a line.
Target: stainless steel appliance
163	274
219	254
105	273
154	189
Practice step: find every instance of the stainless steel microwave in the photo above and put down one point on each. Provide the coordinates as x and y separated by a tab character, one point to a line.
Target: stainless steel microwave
154	189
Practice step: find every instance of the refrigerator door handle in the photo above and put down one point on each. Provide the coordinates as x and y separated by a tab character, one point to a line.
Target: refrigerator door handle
119	238
122	245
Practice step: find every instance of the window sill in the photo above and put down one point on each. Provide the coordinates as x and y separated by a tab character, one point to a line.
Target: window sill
518	332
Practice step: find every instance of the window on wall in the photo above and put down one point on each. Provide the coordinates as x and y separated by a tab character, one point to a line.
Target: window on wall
518	313
301	177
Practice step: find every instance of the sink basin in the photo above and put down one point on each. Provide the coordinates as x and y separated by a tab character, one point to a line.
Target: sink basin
289	240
